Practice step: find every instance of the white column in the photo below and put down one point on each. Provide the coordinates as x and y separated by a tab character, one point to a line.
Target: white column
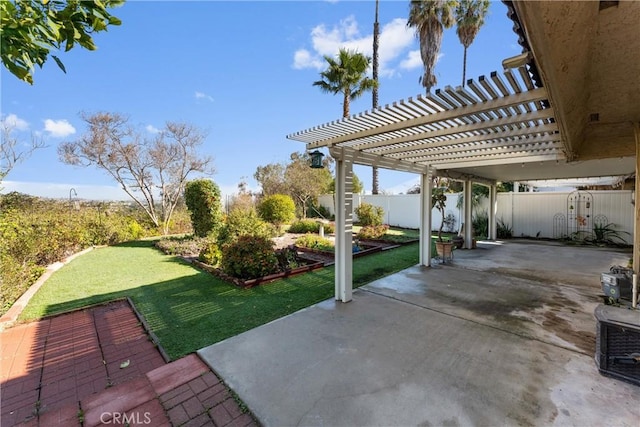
468	221
493	210
425	219
344	237
636	210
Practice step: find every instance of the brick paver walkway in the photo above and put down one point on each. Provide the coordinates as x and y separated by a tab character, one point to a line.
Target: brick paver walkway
98	366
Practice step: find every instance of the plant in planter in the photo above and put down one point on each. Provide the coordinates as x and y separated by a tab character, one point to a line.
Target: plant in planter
439	201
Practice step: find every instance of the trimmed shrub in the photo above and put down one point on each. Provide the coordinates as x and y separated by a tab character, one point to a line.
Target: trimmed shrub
210	254
369	214
313	241
277	209
373	231
249	257
304	226
202	197
244	223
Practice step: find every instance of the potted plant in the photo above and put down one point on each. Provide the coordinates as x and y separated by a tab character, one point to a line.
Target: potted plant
439	200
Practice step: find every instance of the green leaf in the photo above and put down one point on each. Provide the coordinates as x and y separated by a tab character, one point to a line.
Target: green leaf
124	364
55	29
60	64
98	24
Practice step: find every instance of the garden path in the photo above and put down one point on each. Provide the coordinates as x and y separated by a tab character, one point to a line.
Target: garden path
98	365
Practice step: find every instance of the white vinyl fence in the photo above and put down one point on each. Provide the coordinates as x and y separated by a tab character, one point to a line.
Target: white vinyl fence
543	214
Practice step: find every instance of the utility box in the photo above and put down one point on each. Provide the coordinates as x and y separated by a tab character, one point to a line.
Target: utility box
617	284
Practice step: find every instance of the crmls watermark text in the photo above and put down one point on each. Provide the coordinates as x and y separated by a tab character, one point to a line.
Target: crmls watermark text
126	419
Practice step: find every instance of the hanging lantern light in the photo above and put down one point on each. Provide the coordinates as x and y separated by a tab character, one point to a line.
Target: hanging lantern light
316	159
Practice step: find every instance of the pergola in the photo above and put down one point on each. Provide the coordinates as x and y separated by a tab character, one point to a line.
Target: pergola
515	126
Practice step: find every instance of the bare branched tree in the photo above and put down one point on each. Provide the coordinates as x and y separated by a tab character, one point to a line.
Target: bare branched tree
13	150
153	172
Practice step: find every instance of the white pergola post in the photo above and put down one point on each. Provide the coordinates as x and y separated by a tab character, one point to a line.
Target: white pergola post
636	210
425	219
493	210
468	220
344	231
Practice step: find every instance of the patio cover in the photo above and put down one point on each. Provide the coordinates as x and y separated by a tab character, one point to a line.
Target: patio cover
498	128
582	61
496	121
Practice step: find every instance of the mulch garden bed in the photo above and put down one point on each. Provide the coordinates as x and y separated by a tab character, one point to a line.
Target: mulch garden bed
249	283
314	259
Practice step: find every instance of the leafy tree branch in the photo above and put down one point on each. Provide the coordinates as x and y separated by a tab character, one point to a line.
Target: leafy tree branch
31	29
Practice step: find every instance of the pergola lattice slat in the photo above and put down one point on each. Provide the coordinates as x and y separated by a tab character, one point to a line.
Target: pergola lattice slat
496	118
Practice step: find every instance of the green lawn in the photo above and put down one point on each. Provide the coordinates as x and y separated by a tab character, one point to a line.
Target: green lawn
189	309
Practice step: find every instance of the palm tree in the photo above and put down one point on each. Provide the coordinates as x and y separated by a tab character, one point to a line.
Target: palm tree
469	18
374	98
346	75
430	18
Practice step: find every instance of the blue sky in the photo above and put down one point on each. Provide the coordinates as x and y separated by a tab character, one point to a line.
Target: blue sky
241	71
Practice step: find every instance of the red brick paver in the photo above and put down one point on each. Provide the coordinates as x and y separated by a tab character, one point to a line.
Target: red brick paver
204	401
66	370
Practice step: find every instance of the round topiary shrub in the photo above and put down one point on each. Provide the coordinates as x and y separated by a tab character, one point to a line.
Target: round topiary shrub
369	214
249	257
244	223
277	209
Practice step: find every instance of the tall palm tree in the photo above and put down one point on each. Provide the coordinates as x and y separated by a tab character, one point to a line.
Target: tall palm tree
374	95
430	18
469	18
346	75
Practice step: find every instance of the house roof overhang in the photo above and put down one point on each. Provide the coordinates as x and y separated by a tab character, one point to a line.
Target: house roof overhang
588	57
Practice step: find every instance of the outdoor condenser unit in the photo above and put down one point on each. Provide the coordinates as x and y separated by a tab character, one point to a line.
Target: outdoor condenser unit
618	342
617	283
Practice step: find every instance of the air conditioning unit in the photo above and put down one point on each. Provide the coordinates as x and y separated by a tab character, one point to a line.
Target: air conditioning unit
618	342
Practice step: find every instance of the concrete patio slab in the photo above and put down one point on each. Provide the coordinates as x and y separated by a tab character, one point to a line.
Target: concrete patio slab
442	346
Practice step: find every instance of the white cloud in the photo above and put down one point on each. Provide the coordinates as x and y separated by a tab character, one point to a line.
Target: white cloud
413	60
152	129
59	128
302	59
14	122
202	95
395	39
